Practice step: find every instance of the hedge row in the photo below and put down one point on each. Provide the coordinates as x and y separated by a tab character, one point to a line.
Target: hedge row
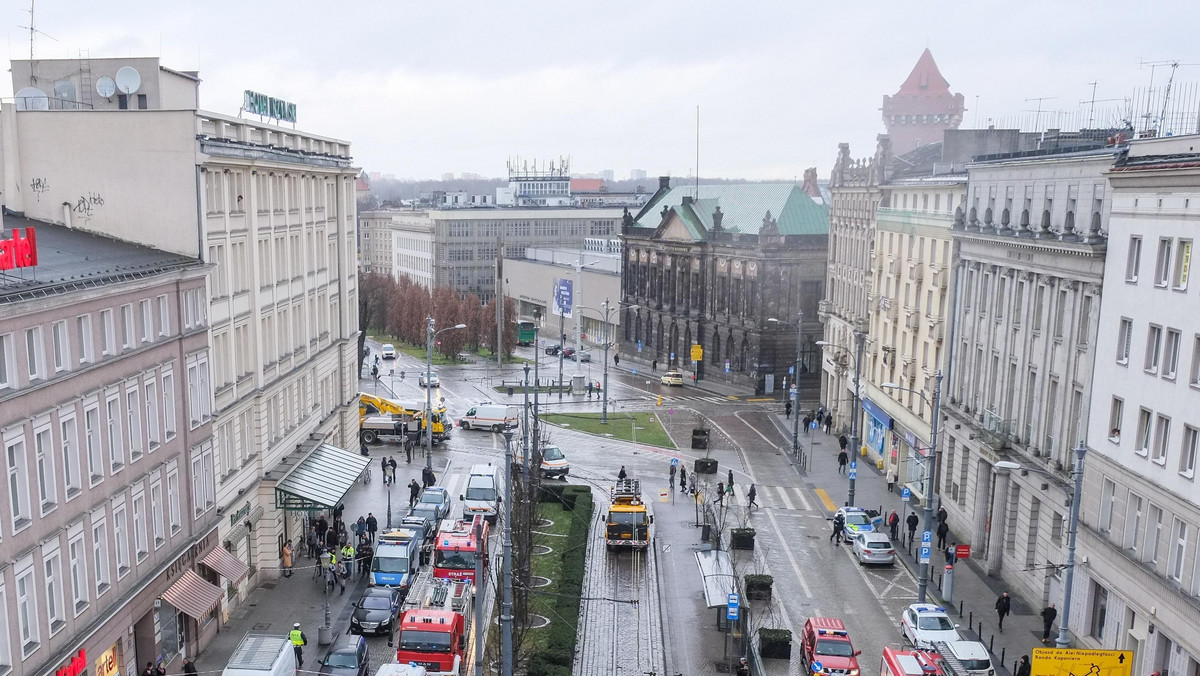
557	655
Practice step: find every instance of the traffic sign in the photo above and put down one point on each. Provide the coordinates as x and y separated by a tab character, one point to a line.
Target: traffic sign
1064	662
853	474
663	495
812	425
791	370
817	667
733	600
791	392
697	353
672	356
926	537
853	464
639	346
731	613
924	556
727	366
674	462
905	493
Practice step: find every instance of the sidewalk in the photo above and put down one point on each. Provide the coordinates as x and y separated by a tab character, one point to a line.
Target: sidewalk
274	605
974	592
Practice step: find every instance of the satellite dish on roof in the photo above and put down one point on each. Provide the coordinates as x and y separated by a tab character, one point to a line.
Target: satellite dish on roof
32	98
128	79
105	86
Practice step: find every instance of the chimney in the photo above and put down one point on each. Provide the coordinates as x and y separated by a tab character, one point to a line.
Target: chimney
664	182
687	199
717	218
810	183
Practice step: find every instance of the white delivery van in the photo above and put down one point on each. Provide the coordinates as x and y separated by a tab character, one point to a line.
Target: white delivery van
554	463
482	495
259	655
411	669
494	417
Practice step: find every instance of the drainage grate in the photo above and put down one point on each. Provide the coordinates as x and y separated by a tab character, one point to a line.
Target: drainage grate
722	667
261	626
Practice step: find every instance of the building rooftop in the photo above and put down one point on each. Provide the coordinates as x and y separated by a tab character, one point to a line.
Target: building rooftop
69	259
744	207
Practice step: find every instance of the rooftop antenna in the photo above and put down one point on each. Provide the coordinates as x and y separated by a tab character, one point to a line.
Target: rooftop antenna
1174	64
977	111
33	32
1037	122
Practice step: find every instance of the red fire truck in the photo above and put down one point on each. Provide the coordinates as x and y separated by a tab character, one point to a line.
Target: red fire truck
911	663
458	546
435	626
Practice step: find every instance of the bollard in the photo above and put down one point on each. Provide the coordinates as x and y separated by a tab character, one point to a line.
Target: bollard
1002	652
980	632
991	643
948	585
970	618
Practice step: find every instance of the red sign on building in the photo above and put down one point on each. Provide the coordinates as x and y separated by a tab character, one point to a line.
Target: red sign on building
19	252
78	664
962	552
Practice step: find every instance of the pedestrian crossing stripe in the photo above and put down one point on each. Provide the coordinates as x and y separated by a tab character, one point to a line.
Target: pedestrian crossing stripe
776	497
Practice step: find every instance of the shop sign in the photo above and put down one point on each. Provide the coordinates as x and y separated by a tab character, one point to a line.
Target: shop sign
236	517
269	106
108	664
75	667
188	559
19	252
910	439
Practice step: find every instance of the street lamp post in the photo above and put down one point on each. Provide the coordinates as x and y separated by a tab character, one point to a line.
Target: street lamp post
430	336
795	384
855	445
1061	641
930	470
506	615
608	310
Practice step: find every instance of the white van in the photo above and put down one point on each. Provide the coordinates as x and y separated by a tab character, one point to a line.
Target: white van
973	656
554	463
259	655
494	417
411	669
482	495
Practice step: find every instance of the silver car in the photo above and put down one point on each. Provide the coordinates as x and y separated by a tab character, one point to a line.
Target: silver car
874	548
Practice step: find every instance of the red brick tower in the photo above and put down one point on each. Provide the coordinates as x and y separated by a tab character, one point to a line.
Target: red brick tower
922	108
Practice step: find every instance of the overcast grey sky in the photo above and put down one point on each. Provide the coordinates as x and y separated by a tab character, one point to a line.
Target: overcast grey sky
458	86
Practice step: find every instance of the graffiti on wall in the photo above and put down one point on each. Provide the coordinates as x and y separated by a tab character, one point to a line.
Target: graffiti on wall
39	186
86	205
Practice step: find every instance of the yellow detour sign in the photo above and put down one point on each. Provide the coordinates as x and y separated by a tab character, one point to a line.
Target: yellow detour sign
697	353
1067	662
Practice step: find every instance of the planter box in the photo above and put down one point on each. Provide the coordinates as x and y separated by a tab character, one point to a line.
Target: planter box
758	587
741	538
705	466
775	643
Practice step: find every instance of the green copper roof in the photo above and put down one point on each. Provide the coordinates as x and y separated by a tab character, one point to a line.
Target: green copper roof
744	205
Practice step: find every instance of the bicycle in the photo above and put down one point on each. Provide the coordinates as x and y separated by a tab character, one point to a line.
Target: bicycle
366	475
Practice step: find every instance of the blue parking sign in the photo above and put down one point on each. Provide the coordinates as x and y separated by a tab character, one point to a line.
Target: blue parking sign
924	555
905	493
926	537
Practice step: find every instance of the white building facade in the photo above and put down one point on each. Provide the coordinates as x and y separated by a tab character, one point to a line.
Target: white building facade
1138	585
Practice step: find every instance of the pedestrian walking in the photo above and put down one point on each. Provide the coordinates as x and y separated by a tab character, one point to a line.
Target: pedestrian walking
942	515
299	640
360	528
839	525
383	471
683	479
843	461
348	556
894	525
654	365
331	538
340	575
806	422
820	413
828	422
1024	668
951	553
427	477
912	522
1048	615
372	526
787	409
621	474
843	442
720	492
1003	605
287	559
414	491
743	669
942	531
392	469
408	447
891	481
189	667
589	389
750	496
692	483
364	554
312	541
322	526
729	484
673	470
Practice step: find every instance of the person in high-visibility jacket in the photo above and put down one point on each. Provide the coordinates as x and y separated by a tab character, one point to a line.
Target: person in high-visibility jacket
348	559
299	640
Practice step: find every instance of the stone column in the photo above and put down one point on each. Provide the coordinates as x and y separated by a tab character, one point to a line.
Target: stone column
1003	470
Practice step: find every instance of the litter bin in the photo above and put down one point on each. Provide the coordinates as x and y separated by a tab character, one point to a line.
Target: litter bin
700	439
705	466
510	391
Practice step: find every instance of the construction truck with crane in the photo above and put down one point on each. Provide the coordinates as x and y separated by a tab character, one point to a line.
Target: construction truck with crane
388	420
435	626
627	524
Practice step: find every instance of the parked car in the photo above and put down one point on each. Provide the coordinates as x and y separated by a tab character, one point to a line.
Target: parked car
349	656
439	498
924	623
554	463
874	548
429	512
553	349
388	351
859	520
376	611
582	357
672	378
429	381
568	352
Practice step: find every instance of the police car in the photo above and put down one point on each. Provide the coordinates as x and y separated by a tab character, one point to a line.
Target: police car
859	521
923	624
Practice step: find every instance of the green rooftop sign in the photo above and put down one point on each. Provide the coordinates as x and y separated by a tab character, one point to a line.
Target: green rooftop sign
269	106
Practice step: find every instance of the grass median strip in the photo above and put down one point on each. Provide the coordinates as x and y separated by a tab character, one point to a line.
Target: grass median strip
642	427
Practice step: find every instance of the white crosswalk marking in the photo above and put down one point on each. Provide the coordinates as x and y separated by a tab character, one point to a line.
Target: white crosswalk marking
783	496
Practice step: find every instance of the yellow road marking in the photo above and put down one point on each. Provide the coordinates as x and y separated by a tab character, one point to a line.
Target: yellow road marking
762	399
824	497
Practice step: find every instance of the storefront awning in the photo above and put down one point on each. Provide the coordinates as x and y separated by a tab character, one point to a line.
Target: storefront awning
229	566
716	572
321	480
193	595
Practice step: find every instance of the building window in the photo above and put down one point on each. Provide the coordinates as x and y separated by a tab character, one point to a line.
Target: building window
152	431
1060	313
83	330
156	514
1133	523
1039	300
174	514
1162	265
1153	348
147	321
1085	321
91	431
1162	434
1124	339
1115	415
164	318
1187	456
199	404
27	620
140	547
61	341
1153	534
47	479
18	483
100	556
133	426
1134	261
1056	528
1194	379
1179	531
1142	442
69	439
1171	354
107	333
55	616
1108	497
1183	261
6	361
168	413
35	356
121	539
203	486
116	443
127	326
78	562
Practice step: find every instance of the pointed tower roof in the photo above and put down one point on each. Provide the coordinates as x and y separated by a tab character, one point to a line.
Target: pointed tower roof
925	78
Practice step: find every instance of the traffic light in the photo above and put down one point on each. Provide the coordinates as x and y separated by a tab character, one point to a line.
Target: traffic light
659	400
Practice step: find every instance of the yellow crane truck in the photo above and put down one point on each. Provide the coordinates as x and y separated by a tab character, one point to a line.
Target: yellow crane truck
381	419
627	524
